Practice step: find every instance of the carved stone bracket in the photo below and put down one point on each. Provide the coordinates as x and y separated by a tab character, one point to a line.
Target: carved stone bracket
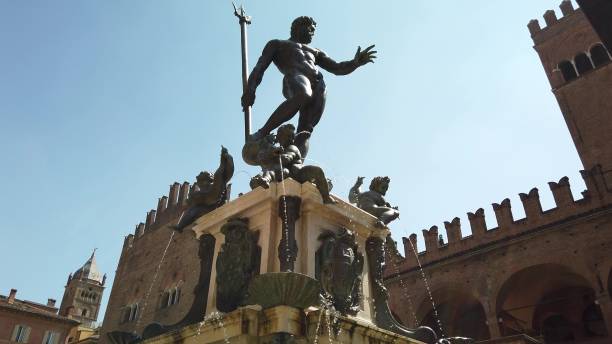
375	249
289	212
237	263
339	266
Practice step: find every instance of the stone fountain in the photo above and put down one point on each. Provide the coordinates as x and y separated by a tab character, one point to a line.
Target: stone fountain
289	268
288	262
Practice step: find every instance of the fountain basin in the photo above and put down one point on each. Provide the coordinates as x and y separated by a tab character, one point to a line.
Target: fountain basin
284	288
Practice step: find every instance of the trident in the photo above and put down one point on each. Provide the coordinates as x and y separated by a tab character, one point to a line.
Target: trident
244	20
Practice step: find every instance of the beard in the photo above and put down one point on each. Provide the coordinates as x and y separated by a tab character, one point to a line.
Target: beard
305	38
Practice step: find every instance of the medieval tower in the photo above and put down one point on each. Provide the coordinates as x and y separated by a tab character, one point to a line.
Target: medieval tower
83	293
578	69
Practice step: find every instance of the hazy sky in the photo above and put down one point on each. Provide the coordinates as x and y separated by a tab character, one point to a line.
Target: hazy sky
104	104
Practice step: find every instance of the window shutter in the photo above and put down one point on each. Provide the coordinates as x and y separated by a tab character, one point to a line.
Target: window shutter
164	300
26	335
55	337
15	332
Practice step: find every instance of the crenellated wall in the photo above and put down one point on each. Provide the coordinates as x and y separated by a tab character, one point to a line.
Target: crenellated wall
168	209
498	277
597	195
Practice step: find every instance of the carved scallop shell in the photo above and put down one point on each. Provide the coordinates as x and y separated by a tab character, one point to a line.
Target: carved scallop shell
284	288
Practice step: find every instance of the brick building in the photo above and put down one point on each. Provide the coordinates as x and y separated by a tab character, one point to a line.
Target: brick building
548	275
23	321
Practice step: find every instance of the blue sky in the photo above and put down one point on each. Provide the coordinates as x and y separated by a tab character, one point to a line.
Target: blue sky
104	104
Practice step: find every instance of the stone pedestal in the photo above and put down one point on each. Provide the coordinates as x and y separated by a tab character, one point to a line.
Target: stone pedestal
283	248
276	214
280	324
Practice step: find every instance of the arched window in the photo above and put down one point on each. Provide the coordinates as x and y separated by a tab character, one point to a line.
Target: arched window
163	303
84	312
170	297
134	313
599	55
130	313
174	295
568	71
126	314
583	63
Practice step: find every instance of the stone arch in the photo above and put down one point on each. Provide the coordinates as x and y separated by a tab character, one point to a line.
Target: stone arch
599	55
518	266
547	299
583	63
458	310
568	70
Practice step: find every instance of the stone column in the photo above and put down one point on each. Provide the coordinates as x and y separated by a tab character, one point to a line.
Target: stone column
493	325
491	316
211	303
605	304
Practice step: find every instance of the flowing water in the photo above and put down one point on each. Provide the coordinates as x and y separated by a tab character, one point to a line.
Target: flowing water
146	298
316	338
433	304
329	325
404	289
215	319
336	322
286	225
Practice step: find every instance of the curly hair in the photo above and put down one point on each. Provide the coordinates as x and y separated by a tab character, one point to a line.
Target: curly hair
298	23
287	126
376	181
